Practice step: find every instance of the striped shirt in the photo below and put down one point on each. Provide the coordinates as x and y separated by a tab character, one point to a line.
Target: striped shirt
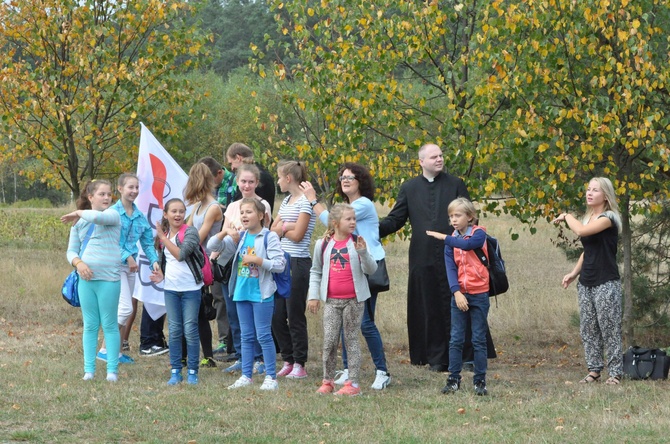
289	213
102	254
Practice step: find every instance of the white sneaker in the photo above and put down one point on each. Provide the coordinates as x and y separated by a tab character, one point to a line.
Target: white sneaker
342	376
112	377
242	382
269	384
381	380
88	376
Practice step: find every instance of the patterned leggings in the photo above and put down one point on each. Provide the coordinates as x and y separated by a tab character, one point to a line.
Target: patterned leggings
342	315
600	326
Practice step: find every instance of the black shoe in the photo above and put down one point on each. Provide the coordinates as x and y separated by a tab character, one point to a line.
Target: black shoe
439	368
480	388
207	362
231	357
452	386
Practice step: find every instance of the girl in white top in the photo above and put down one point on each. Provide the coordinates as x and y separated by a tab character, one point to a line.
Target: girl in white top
294	224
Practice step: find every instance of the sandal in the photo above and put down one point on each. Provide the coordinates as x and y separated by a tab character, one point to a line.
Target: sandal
613	380
591	377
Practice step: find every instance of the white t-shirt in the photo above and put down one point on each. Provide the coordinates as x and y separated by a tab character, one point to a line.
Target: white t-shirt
232	214
178	276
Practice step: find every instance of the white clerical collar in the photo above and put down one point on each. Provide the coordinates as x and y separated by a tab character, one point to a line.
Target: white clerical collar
430	179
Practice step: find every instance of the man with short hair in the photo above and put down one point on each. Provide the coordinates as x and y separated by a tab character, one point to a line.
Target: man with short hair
239	153
424	201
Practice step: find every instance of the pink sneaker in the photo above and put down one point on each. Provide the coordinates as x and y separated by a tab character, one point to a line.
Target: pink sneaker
327	386
348	390
286	369
298	372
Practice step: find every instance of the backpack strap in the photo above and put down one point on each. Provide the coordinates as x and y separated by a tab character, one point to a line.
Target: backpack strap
87	238
182	232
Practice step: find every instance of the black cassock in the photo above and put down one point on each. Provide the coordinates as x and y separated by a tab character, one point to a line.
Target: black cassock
425	204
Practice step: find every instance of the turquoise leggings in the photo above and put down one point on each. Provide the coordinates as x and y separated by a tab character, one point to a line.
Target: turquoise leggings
100	306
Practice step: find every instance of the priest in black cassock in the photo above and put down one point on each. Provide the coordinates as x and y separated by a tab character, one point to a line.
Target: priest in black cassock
424	201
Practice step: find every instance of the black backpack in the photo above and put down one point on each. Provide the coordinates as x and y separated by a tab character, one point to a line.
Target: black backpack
498	283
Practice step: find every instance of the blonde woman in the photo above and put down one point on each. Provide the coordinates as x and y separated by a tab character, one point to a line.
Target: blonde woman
599	286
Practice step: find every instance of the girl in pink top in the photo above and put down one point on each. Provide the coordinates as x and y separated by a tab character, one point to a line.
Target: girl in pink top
338	278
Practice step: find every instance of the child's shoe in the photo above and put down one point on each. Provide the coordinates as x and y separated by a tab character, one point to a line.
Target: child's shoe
88	376
452	386
236	367
207	363
259	367
101	356
382	379
242	382
298	372
341	377
125	346
269	383
348	390
112	377
286	369
327	387
192	377
176	377
480	388
125	359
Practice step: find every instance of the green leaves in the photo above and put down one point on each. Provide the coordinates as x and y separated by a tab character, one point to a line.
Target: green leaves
82	75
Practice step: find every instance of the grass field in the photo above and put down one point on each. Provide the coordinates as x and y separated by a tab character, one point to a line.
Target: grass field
534	394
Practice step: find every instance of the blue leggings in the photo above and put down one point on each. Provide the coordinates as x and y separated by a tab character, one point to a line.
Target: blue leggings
99	307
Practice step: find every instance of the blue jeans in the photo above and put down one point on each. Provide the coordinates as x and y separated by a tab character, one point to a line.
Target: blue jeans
371	335
478	310
234	322
182	312
256	326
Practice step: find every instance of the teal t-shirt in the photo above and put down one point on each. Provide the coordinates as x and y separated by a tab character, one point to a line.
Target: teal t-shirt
247	286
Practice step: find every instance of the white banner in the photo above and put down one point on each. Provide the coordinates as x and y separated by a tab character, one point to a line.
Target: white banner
161	179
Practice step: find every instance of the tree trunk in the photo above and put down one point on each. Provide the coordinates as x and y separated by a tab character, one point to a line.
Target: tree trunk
626	240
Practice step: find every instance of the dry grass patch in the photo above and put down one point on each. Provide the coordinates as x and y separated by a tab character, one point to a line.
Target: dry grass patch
534	394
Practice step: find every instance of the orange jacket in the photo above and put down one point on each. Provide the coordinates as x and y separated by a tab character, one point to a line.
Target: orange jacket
464	269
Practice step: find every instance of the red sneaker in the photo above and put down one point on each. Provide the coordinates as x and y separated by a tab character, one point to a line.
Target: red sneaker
348	390
327	387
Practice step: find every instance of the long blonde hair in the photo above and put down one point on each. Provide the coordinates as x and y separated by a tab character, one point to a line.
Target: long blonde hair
611	203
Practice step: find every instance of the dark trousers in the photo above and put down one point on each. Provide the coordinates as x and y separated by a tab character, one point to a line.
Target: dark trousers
289	324
151	331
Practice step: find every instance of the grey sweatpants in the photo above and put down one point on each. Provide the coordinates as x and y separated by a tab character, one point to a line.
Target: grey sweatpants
600	326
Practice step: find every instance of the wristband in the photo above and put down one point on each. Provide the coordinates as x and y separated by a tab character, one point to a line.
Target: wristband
77	263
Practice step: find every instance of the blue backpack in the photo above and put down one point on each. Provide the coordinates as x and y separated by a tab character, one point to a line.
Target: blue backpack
282	279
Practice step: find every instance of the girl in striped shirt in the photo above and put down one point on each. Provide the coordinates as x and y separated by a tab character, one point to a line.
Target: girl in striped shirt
294	224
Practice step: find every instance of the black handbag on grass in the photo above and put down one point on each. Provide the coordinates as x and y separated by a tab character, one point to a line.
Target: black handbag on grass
645	363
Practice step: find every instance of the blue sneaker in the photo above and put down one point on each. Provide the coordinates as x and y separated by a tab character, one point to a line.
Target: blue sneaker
101	356
125	359
236	367
259	367
176	377
192	377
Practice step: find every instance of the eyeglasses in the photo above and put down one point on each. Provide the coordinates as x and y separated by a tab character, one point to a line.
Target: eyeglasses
347	178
